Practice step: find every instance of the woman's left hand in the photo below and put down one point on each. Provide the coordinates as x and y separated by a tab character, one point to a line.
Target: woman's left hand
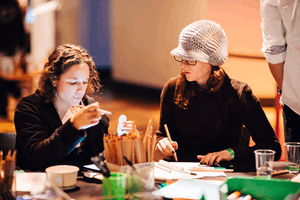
214	158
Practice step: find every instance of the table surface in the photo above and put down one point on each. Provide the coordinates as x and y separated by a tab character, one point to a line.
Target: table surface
85	190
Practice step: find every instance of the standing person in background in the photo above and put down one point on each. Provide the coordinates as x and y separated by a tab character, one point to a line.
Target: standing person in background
205	109
281	47
13	46
60	123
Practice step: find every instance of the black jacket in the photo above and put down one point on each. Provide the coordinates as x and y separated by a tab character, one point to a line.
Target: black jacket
214	121
42	140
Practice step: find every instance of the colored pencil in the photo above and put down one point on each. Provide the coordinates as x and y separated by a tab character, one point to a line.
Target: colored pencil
207	169
1	158
170	140
280	172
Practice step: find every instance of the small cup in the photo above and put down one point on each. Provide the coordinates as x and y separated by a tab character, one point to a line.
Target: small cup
114	187
264	159
64	176
293	156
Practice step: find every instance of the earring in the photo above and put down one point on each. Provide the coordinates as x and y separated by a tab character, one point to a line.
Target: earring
55	91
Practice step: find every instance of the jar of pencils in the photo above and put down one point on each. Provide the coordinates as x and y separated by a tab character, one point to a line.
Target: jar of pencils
7	168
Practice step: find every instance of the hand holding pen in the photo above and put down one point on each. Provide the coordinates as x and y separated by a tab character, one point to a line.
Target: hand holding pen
166	147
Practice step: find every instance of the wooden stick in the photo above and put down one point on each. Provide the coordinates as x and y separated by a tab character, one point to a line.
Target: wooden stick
210	170
170	140
107	158
1	158
133	147
138	151
128	146
148	152
9	170
120	149
115	148
163	168
147	131
153	143
280	172
6	166
169	165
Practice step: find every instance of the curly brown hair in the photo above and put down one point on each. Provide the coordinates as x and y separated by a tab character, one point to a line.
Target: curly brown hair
185	90
62	58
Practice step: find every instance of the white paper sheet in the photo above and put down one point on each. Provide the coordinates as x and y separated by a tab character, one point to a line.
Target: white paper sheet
296	178
160	174
191	189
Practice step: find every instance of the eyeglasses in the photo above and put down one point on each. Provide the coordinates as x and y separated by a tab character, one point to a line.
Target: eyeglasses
192	63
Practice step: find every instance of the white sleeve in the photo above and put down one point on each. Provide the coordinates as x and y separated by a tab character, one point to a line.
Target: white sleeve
273	31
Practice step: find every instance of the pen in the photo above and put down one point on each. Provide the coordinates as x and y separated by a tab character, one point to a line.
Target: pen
170	140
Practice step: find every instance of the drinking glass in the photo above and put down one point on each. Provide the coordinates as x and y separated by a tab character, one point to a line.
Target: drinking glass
264	159
293	156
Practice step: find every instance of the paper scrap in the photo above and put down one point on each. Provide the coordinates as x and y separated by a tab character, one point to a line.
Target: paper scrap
30	181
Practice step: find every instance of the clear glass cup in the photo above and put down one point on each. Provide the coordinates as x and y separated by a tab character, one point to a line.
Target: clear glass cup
293	156
264	159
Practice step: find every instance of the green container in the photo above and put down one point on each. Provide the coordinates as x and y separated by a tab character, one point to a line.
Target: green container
114	187
262	189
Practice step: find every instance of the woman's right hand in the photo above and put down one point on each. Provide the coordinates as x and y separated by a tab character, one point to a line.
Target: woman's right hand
164	148
87	116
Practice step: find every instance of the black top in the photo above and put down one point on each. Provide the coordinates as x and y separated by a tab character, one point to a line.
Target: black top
214	121
42	140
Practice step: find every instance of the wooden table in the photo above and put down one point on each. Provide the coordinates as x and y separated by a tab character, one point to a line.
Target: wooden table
86	190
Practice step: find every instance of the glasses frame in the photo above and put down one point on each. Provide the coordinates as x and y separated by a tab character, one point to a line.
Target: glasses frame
187	62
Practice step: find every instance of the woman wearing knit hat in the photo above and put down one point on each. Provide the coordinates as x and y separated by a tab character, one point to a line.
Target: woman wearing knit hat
204	109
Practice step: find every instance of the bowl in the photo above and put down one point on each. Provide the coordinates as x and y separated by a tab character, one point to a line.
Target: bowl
64	176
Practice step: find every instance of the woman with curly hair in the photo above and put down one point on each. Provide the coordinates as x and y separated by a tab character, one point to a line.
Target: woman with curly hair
60	123
204	109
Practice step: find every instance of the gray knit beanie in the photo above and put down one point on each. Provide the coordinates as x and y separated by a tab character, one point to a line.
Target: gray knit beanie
204	41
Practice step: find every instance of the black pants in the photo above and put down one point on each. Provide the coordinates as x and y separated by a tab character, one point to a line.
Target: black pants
291	121
6	88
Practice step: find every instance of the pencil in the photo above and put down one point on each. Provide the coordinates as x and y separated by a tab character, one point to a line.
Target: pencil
169	165
280	172
1	158
170	140
133	147
165	164
211	170
153	146
147	131
163	168
120	147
